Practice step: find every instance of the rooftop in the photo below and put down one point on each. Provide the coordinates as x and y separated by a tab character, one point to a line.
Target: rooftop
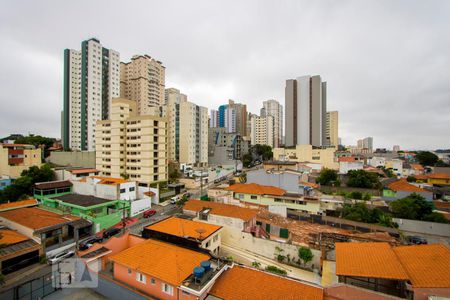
164	261
10	237
220	209
256	189
439	176
280	163
185	228
83	171
418	167
109	180
82	200
18	204
403	185
374	260
18	145
36	218
347	159
261	285
53	184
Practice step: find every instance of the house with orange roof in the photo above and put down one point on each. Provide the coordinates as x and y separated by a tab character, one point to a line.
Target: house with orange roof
17	251
413	272
187	233
401	188
74	173
53	231
18	204
269	196
439	179
166	271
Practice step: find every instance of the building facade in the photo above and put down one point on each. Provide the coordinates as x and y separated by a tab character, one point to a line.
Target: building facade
263	130
91	80
233	116
365	144
332	128
223	147
324	157
275	109
132	146
214	118
15	158
143	79
305	104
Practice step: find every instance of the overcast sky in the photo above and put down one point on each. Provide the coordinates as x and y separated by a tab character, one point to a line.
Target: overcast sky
387	63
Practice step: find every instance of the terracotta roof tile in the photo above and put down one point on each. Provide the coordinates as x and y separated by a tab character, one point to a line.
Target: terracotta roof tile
428	266
18	204
53	184
10	237
110	180
36	218
418	167
185	228
403	185
439	204
256	189
167	262
439	176
260	285
347	159
373	260
220	209
83	171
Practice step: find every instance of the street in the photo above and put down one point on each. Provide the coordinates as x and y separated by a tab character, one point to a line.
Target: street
162	212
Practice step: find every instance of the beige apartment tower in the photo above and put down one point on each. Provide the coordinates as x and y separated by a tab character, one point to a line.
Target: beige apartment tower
275	109
143	79
131	145
332	132
263	131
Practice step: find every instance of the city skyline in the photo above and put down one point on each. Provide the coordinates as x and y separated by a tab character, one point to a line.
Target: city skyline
383	90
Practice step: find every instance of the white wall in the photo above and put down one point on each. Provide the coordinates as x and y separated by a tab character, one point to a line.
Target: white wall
139	206
345	166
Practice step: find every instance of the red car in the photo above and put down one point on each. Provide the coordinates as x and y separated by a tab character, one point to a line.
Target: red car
149	213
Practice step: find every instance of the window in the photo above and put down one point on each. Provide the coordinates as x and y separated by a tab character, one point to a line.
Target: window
253	197
207	245
168	289
241	196
131	189
153	281
122	191
129	272
140	277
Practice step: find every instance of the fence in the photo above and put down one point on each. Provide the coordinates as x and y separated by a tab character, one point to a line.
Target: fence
34	289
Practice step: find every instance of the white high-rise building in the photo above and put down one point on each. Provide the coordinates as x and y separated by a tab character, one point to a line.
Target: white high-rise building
214	118
262	130
275	109
91	80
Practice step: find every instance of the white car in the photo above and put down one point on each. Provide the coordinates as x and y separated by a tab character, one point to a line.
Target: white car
60	256
174	200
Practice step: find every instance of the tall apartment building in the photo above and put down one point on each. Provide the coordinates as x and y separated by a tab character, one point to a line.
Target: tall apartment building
91	80
305	104
233	116
263	131
275	109
214	118
365	143
132	145
143	79
332	128
15	158
187	129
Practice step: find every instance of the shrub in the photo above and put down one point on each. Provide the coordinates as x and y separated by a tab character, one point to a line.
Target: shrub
274	269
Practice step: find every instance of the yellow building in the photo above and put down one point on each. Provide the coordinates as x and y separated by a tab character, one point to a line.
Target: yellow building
332	128
306	153
132	145
14	158
439	179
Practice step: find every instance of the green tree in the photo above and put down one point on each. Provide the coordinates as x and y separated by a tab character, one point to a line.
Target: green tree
305	255
414	207
247	159
256	264
356	195
426	158
37	140
328	177
276	270
411	178
436	217
174	173
263	151
363	179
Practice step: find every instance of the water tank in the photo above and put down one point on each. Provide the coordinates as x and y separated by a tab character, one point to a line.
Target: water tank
206	265
198	272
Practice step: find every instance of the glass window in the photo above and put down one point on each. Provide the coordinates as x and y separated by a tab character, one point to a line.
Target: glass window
153	281
168	289
140	277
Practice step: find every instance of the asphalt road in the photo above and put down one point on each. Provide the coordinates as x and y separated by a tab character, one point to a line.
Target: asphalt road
162	212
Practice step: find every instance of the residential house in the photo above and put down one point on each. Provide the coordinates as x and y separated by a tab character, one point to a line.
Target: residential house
267	196
18	204
289	180
349	163
71	173
323	156
15	158
402	188
412	169
439	179
186	233
51	230
413	272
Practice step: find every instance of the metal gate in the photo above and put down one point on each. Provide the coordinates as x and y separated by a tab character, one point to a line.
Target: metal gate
38	287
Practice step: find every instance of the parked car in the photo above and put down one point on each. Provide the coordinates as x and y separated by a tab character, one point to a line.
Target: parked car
174	200
60	256
149	213
87	243
417	240
110	232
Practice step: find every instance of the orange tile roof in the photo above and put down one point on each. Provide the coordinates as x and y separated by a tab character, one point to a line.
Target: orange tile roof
220	209
428	266
36	218
110	180
18	204
441	204
82	171
373	260
167	262
260	285
185	228
421	177
256	189
310	184
418	167
439	176
403	185
10	237
347	159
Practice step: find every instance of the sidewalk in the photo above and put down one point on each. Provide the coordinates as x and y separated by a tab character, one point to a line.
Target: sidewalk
329	273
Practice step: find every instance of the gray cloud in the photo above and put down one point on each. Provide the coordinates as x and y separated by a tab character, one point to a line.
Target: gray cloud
387	63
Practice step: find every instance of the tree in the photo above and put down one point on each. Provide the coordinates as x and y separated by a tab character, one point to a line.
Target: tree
441	163
363	179
263	151
276	270
414	207
247	160
174	172
305	255
360	212
388	172
328	177
411	178
37	140
426	158
356	195
256	264
436	217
